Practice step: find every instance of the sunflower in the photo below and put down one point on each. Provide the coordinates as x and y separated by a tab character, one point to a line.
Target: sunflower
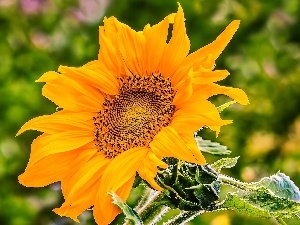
140	101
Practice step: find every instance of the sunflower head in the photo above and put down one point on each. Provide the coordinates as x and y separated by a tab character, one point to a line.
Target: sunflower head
134	116
140	101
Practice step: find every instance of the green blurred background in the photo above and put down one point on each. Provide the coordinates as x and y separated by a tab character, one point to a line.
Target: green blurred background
263	58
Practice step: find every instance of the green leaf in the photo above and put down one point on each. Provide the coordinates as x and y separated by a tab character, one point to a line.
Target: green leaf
224	163
130	215
272	197
211	147
261	202
235	202
281	185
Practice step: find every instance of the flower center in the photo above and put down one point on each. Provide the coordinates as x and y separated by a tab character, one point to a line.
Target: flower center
133	117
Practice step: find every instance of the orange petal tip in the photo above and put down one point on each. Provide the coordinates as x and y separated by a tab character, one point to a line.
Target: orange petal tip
61	212
51	75
21	179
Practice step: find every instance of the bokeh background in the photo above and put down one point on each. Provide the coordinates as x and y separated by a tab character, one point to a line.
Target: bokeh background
264	60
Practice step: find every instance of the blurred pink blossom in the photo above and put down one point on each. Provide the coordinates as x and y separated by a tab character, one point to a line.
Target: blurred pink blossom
32	6
91	11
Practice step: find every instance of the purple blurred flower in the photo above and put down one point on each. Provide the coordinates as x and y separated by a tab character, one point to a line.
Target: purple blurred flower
31	6
91	11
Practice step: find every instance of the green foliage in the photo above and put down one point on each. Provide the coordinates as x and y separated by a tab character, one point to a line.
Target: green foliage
189	186
195	190
130	214
272	197
224	163
261	203
281	185
211	147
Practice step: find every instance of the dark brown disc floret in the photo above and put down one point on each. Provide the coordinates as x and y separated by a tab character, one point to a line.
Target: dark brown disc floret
134	116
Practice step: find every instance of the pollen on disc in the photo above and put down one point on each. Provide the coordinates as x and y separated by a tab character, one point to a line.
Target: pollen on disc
133	117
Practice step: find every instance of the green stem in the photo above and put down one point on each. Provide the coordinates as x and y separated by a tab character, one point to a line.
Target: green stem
281	221
183	217
149	209
232	182
146	197
152	211
154	214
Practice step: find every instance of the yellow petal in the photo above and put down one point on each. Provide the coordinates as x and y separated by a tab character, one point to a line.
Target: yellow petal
156	37
58	122
132	47
194	123
216	47
198	66
70	95
69	76
119	171
168	143
80	190
195	113
126	163
215	89
85	176
54	168
109	53
207	63
48	76
209	77
77	206
148	175
46	145
149	168
95	75
184	89
104	211
190	141
178	47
